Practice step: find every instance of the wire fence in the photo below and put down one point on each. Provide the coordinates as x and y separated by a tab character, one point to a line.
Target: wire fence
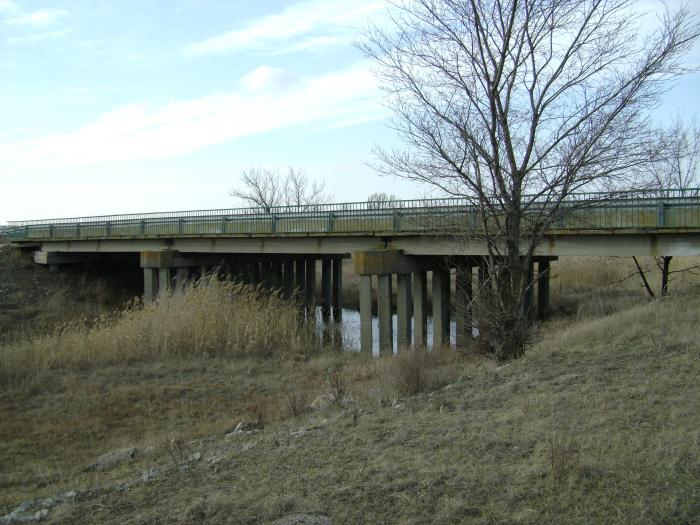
624	210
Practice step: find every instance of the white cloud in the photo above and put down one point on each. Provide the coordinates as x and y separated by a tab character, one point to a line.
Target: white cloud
266	78
305	25
8	6
143	131
39	18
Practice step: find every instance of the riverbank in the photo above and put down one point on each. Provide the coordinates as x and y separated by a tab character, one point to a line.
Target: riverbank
598	423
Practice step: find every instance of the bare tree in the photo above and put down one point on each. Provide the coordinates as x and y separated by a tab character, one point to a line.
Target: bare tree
381	200
678	162
516	104
267	188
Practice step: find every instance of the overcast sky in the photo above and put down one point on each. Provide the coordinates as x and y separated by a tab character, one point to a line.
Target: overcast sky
127	106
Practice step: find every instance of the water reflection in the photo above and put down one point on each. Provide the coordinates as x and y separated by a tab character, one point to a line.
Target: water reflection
347	331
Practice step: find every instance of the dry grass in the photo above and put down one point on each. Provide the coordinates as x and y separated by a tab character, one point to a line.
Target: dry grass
207	318
598	423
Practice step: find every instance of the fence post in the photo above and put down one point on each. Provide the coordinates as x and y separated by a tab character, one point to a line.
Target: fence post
397	221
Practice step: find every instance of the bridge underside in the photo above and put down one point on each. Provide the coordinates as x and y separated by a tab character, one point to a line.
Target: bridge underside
649	243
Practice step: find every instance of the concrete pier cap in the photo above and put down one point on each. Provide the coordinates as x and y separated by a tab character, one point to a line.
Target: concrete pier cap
383	262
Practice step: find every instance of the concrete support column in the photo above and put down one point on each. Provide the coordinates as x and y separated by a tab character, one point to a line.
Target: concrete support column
337	288
386	339
163	280
420	309
310	286
181	277
203	271
463	297
277	274
326	288
300	279
249	273
403	310
529	278
543	289
150	283
256	269
366	314
266	274
441	308
288	278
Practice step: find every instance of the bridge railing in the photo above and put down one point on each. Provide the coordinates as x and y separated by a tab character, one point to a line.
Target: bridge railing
582	211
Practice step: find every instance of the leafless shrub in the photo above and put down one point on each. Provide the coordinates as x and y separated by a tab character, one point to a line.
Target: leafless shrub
338	385
298	400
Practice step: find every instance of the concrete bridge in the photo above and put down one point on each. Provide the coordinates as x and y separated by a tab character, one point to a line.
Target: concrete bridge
281	247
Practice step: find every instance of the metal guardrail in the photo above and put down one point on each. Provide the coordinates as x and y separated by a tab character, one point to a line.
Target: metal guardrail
625	210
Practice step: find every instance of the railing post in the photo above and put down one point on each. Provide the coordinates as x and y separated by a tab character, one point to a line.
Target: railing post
50	231
661	214
274	223
77	230
143	227
223	225
329	223
179	225
108	228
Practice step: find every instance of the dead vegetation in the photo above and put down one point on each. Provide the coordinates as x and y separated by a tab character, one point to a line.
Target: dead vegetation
597	423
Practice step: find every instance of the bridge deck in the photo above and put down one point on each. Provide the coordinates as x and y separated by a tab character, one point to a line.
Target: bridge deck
622	212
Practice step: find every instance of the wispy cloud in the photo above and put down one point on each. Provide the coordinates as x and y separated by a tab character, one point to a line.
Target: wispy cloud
40	18
303	26
143	131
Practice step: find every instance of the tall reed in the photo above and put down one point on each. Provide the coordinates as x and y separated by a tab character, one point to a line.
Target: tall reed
206	318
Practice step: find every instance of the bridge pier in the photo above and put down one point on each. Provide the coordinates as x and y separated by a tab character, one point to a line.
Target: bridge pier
326	291
150	283
337	289
163	280
441	308
403	310
386	336
420	309
366	340
288	278
543	287
310	287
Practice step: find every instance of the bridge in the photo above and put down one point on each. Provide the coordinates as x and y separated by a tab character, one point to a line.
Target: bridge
280	247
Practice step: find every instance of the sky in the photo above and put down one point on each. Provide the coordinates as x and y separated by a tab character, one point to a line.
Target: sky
156	105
